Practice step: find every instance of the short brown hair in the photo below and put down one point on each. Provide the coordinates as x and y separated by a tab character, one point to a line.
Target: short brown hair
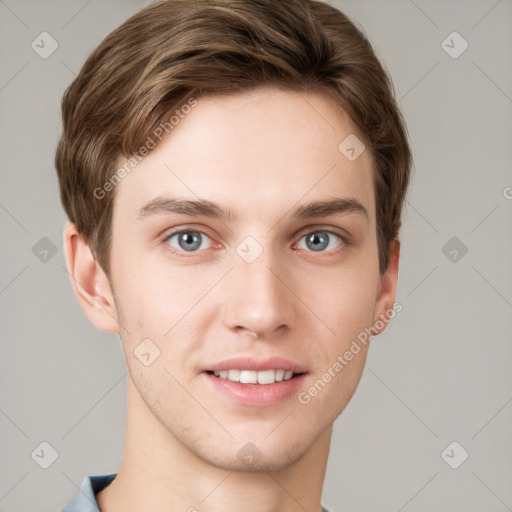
173	50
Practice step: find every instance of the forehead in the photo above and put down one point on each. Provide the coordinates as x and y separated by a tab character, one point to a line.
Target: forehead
257	153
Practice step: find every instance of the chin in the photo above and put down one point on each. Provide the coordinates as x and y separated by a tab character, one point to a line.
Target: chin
252	459
254	453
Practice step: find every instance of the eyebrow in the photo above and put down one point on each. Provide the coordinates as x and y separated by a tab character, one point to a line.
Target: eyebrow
164	205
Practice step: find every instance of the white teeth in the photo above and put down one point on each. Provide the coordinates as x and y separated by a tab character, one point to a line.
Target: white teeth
249	377
253	377
232	375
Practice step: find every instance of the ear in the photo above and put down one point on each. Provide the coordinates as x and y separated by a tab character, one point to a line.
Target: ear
89	282
386	297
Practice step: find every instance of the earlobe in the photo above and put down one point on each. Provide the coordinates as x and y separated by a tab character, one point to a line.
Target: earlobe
89	281
384	308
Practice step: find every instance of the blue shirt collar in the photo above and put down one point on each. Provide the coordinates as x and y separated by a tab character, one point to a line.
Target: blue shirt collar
85	500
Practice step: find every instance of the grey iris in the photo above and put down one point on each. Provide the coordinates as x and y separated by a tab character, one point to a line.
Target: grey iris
189	241
317	241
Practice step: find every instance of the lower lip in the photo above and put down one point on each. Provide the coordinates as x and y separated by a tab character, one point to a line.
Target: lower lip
257	394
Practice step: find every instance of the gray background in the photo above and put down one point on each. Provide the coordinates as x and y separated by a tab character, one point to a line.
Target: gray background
440	373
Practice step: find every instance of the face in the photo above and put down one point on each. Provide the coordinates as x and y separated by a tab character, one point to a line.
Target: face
250	272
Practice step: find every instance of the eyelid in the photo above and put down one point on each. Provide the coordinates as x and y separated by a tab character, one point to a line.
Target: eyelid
300	233
345	237
183	229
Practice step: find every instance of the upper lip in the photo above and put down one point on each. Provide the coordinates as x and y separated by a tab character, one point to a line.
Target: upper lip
249	363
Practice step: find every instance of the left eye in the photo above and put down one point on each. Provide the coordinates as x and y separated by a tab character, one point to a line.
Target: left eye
320	240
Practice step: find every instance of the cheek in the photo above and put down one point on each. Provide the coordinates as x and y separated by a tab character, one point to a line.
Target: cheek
343	299
143	309
142	285
162	304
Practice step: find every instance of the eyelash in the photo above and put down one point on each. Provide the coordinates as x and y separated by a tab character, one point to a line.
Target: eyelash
184	254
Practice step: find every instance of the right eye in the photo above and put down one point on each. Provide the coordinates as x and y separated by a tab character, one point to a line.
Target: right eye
188	240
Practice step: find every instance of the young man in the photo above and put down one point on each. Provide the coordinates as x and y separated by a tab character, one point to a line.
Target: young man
233	173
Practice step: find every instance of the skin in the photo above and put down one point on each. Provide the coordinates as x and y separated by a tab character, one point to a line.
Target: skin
260	153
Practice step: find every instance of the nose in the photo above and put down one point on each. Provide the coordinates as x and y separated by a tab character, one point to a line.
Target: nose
258	297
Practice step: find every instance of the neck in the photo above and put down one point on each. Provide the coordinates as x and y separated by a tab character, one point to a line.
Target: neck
159	472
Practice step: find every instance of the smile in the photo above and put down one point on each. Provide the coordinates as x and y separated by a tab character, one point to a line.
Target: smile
254	377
